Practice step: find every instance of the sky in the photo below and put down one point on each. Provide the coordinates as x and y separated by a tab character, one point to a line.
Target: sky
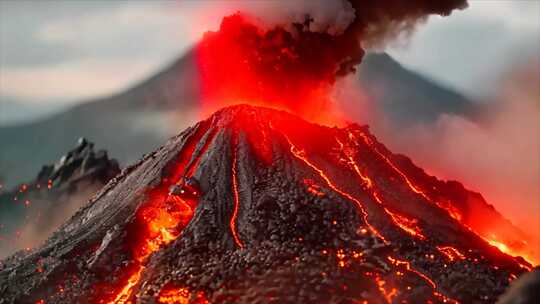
65	52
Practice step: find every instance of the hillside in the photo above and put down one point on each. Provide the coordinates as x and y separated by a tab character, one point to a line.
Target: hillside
134	122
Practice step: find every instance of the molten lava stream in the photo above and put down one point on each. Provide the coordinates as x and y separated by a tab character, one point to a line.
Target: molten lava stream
407	225
237	240
451	253
451	210
300	154
162	218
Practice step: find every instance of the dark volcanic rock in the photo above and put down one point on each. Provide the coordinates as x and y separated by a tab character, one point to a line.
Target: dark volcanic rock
526	290
278	211
33	210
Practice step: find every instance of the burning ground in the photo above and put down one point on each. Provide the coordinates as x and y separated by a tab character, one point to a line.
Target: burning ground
267	208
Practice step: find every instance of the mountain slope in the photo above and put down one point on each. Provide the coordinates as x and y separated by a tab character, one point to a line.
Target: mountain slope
255	205
30	212
131	123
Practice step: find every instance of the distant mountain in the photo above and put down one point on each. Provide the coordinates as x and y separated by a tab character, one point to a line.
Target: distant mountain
406	97
14	111
31	211
135	121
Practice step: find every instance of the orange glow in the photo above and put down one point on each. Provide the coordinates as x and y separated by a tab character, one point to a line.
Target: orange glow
123	296
407	225
409	268
300	154
268	67
388	295
507	250
236	201
452	211
160	220
180	296
451	253
313	188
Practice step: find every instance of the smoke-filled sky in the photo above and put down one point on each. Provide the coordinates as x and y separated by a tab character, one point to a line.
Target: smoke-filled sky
66	51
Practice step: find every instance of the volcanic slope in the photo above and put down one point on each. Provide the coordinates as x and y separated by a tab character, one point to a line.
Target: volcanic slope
255	205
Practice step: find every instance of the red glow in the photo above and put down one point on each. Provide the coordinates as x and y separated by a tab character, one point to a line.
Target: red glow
161	219
409	268
450	209
388	293
313	188
451	253
408	225
300	154
242	63
172	295
236	201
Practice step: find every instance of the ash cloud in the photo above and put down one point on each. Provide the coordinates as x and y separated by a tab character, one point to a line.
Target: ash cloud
293	60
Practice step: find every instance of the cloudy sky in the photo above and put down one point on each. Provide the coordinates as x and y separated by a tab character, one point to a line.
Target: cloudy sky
69	51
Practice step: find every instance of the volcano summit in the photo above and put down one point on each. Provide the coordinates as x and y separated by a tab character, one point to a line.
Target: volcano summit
254	205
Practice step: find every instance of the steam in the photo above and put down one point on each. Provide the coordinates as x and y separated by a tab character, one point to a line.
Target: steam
497	155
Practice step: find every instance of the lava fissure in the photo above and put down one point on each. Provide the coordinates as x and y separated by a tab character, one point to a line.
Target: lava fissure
402	222
236	195
300	154
164	212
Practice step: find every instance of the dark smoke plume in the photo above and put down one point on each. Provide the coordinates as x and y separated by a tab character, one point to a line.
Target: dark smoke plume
293	61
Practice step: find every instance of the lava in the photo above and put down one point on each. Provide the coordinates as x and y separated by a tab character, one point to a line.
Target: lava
272	67
236	199
408	225
300	154
388	295
409	268
162	218
450	209
451	253
172	295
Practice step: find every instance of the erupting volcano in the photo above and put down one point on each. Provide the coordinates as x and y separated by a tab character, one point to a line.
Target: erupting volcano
254	205
258	205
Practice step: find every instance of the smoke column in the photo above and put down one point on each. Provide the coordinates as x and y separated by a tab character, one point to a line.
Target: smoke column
291	61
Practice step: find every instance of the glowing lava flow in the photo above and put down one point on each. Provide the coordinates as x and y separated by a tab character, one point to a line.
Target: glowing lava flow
409	268
451	253
388	295
452	211
161	220
407	225
300	154
236	201
180	296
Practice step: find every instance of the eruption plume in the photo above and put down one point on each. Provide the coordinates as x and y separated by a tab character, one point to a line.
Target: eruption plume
293	64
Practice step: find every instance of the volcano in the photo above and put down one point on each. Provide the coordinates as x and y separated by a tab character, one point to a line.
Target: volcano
255	205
